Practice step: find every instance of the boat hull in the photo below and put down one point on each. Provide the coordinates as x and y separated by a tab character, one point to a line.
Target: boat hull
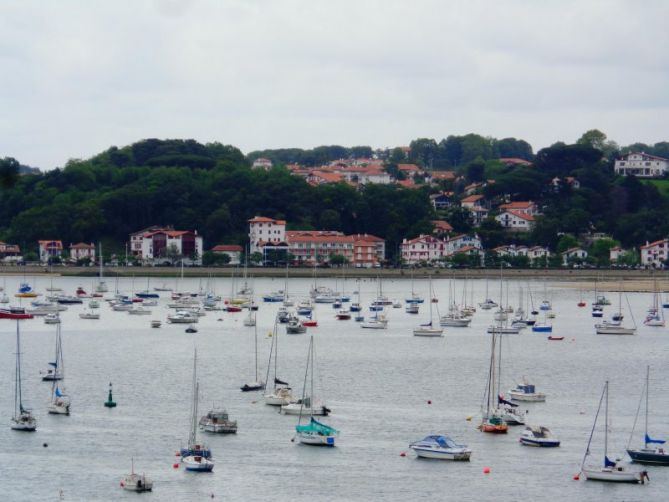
530	398
428	332
197	464
542	443
442	454
649	456
612	475
316	439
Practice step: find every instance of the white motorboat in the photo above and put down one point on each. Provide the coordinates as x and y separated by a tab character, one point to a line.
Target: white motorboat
306	408
139	310
89	315
455	321
504	330
440	447
526	392
182	317
608	328
279	396
52	318
295	326
134	482
538	436
610	471
219	422
428	331
23	419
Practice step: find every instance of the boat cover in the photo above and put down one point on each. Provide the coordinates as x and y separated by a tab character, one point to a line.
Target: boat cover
315	427
442	441
656	441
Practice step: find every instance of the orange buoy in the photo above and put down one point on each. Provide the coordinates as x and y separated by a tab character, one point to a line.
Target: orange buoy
486	470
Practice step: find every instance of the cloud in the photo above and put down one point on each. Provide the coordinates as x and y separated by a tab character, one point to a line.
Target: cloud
283	73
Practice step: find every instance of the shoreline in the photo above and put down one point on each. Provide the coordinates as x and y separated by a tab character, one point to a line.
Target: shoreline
607	279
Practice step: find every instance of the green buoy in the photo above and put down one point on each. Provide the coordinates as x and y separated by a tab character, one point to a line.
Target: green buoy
110	403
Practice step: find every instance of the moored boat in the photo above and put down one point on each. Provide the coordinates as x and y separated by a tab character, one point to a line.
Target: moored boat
538	436
440	447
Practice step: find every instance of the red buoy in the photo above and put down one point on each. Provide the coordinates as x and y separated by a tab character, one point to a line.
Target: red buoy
486	470
177	454
175	465
122	484
576	477
403	454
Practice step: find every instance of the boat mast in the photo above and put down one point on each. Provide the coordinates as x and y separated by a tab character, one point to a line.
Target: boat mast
255	339
606	423
18	403
645	436
191	434
592	432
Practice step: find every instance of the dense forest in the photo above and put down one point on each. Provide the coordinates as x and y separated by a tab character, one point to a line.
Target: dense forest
211	188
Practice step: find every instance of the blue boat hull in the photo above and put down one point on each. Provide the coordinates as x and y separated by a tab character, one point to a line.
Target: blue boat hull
649	457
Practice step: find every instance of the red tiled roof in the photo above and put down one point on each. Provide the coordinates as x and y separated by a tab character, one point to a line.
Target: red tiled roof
422	238
57	244
367	237
264	219
233	248
408	167
82	245
520	215
442	175
652	244
442	225
645	155
473	198
514	160
517	205
326	176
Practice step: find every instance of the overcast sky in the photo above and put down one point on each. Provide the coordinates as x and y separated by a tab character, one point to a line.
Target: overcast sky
79	76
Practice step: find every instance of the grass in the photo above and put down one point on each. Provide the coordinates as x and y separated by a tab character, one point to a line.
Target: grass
662	185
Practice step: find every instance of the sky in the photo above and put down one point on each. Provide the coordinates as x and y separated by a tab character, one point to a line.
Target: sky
78	76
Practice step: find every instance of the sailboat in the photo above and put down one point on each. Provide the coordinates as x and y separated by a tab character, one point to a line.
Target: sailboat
655	315
281	393
487	304
491	418
506	410
23	419
309	404
429	329
649	454
60	401
314	433
615	327
257	384
102	285
609	471
134	482
196	456
56	369
455	317
414	298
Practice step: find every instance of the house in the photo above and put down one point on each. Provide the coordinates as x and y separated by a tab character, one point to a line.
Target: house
615	253
511	250
478	214
262	163
458	242
49	250
471	201
409	169
362	242
524	207
167	244
538	252
573	254
441	228
642	165
512	161
408	183
10	252
472	188
569	181
655	254
137	238
232	250
265	231
424	248
322	177
82	251
437	176
515	220
441	200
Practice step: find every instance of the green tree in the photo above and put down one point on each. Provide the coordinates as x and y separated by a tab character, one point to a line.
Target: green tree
337	260
9	172
600	251
255	258
566	242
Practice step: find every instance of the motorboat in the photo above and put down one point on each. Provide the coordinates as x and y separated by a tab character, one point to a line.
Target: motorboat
613	328
89	315
412	308
147	294
139	310
274	297
279	396
344	315
538	436
52	318
503	330
545	305
134	482
542	328
555	338
455	321
81	293
527	392
295	327
219	422
182	317
440	447
487	304
15	313
305	407
377	322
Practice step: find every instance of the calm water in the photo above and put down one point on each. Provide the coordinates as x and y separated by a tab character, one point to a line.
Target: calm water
377	383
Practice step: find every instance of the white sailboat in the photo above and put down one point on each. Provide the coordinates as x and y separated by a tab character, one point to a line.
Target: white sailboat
102	285
314	433
134	482
431	328
56	369
60	401
23	419
615	326
196	457
281	393
655	315
610	470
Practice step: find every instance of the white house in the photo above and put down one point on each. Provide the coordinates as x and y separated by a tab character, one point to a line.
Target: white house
522	207
264	231
512	219
615	253
511	250
458	242
82	251
642	165
168	244
422	248
262	163
536	252
654	254
232	250
573	254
